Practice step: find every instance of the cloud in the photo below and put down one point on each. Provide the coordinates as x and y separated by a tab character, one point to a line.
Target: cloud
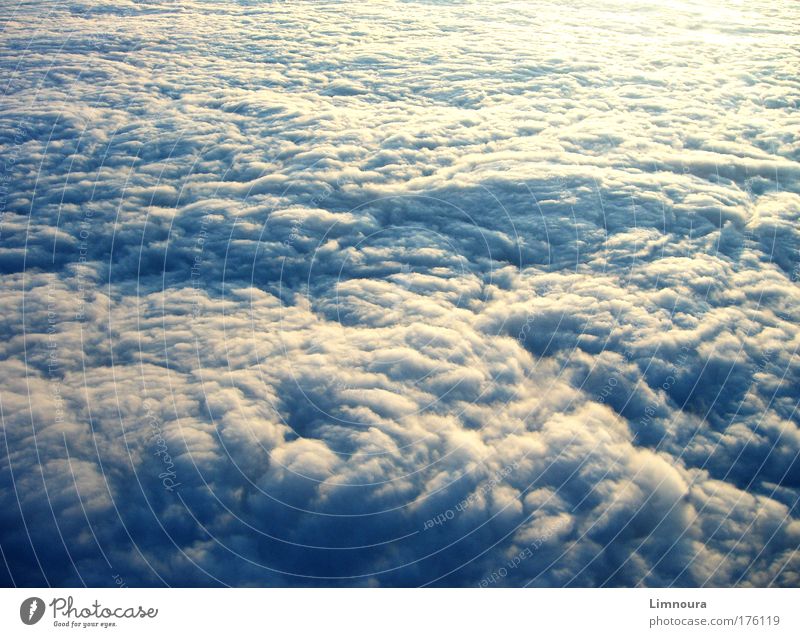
397	298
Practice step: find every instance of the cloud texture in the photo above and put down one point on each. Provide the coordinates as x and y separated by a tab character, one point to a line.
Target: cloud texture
400	293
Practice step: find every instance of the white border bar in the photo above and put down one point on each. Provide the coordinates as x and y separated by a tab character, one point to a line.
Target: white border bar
409	612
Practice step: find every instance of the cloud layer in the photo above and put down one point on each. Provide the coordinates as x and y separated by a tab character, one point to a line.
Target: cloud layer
400	294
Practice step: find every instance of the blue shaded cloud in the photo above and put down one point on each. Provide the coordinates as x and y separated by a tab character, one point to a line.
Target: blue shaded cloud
389	296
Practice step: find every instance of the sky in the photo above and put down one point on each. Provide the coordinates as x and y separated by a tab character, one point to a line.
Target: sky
399	293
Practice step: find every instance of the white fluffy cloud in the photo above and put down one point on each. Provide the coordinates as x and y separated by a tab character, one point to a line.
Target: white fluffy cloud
400	293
